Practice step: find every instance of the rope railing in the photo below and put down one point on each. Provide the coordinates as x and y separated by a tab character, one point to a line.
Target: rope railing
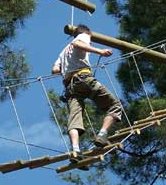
19	123
47	77
31	145
106	62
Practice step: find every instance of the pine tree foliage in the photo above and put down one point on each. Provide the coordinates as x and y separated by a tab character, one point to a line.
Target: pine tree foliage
13	14
13	64
143	23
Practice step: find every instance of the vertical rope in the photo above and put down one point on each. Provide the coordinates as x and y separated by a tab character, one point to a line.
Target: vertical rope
72	15
90	123
139	73
53	112
19	123
163	47
114	89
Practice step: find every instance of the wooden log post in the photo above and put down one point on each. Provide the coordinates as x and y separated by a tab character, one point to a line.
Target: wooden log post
81	4
120	44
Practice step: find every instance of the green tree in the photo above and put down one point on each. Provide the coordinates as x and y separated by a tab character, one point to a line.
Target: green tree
143	23
12	63
143	156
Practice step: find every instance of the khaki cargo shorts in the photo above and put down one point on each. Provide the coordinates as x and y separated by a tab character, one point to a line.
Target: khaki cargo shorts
85	86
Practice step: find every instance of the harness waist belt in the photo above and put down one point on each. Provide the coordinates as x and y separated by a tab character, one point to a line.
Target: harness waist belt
76	73
84	70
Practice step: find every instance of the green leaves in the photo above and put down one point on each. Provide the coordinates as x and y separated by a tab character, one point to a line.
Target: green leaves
13	66
14	70
12	14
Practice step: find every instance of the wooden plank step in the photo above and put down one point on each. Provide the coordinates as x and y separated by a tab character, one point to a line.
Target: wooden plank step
85	162
20	164
150	119
98	151
119	136
83	5
137	126
13	166
158	112
94	152
46	160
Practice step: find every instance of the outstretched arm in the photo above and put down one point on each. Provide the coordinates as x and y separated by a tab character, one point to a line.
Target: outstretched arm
82	45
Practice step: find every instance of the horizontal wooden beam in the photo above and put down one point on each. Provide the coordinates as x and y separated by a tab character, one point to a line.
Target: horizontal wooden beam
117	137
85	162
13	166
159	112
46	160
81	4
150	119
120	44
138	126
34	163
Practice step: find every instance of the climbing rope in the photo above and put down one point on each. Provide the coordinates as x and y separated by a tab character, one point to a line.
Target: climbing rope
163	47
142	82
53	112
116	93
135	53
31	144
72	15
19	123
90	122
41	79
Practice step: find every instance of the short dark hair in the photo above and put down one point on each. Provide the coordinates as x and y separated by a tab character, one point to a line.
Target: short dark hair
81	29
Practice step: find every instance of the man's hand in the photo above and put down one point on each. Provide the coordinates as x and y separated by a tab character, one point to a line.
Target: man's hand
106	52
56	70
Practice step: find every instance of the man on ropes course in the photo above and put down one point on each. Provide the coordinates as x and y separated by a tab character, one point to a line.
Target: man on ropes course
73	63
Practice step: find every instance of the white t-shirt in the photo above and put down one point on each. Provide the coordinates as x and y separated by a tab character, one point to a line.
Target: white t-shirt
72	59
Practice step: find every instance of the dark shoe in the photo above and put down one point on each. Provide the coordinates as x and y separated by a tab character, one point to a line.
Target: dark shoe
101	141
76	157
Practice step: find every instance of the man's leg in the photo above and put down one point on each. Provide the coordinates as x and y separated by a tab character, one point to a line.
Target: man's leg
101	139
75	128
107	122
75	122
74	137
105	101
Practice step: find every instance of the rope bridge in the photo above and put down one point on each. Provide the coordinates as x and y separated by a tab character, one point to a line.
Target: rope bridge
93	155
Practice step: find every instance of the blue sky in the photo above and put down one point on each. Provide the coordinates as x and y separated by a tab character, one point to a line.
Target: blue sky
42	38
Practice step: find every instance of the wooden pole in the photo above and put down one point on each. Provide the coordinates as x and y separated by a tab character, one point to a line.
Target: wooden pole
119	44
151	119
13	166
135	126
119	136
34	163
85	162
81	4
159	112
46	160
